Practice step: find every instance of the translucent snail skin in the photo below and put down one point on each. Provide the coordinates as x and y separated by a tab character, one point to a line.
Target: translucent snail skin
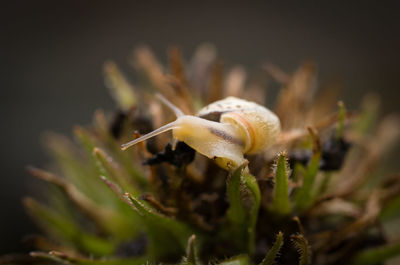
240	127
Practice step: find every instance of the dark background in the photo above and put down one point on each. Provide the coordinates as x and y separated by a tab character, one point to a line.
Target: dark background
51	56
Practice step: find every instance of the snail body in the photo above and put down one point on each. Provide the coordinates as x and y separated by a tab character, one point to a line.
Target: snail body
224	130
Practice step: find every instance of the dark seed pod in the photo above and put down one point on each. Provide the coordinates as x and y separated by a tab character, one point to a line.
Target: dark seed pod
333	153
117	123
135	119
299	156
182	155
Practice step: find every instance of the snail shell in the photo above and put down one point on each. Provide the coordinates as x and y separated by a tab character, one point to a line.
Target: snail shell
260	125
224	130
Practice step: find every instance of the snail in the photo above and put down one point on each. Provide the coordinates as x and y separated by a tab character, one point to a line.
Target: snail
224	131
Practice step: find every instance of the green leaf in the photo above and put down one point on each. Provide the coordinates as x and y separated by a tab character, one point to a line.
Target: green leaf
243	219
106	219
281	203
126	160
272	254
236	213
85	139
63	258
109	168
305	196
377	255
298	171
301	244
251	184
66	230
77	168
191	253
238	260
121	90
340	126
323	184
168	236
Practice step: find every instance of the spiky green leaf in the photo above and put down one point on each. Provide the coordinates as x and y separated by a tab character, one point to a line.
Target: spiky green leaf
168	236
62	258
251	184
272	254
75	164
236	212
281	202
301	244
66	230
105	218
243	219
121	90
304	196
237	260
109	168
191	253
340	126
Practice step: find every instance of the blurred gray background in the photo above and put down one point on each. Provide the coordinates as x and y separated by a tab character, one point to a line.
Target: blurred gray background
51	56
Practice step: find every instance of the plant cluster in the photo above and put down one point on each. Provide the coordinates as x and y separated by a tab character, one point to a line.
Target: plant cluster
320	195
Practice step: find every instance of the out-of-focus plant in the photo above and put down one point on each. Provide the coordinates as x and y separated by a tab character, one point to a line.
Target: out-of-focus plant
318	196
